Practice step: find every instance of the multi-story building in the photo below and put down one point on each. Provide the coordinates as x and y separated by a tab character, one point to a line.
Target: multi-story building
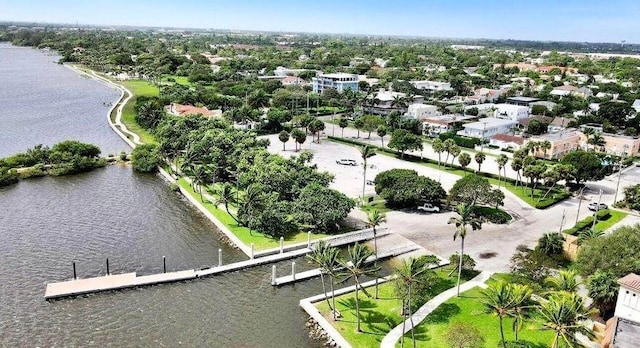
432	86
511	112
421	111
337	81
615	144
561	144
485	128
623	330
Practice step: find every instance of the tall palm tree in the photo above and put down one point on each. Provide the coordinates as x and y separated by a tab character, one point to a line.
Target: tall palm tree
502	163
226	195
251	203
589	234
520	298
564	314
199	177
597	141
564	281
466	217
366	152
480	157
407	278
355	268
498	299
331	262
375	219
317	256
438	147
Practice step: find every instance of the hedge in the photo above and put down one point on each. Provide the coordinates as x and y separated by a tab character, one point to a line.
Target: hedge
587	222
469	143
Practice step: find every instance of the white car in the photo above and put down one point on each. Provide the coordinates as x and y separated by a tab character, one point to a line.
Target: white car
347	162
430	208
594	206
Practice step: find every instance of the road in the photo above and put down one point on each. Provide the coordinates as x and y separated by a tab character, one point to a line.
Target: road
493	245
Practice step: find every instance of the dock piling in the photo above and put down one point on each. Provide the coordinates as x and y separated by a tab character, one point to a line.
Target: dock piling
293	270
273	275
108	273
219	257
281	245
164	264
74	271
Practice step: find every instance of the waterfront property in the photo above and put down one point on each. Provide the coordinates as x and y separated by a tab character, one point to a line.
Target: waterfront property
337	81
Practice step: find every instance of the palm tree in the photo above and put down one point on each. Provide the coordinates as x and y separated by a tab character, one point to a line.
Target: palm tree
375	219
520	298
408	277
343	123
597	141
464	160
564	281
331	258
564	314
465	217
366	152
357	267
251	203
438	147
588	235
480	157
317	256
502	162
226	195
603	289
498	299
382	131
455	151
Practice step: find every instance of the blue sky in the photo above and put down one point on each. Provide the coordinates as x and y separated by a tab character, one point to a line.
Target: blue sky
567	20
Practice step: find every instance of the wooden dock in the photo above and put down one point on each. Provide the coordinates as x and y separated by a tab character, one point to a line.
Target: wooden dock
77	287
292	278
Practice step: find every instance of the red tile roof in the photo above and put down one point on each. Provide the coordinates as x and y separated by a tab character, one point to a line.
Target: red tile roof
631	281
185	110
509	138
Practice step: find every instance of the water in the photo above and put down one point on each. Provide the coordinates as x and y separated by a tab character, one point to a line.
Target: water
133	219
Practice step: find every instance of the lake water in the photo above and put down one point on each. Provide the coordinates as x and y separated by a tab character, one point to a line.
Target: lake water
130	218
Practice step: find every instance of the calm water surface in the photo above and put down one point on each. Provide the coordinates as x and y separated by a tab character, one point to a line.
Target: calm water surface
130	218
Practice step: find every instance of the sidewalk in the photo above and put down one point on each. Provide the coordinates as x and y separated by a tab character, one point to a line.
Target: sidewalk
389	341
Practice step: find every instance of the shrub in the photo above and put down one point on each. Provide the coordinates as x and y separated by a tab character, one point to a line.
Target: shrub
145	158
8	177
493	215
551	243
469	143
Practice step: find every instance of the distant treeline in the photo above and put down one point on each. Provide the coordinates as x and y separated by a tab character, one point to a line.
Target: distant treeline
67	157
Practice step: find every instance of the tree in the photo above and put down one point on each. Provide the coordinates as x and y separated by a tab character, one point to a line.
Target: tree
366	152
479	158
464	335
539	110
464	160
355	268
455	150
318	257
615	112
145	158
438	147
403	140
403	188
563	281
551	243
473	189
520	298
251	204
465	217
226	195
448	145
534	172
382	131
536	127
370	123
597	141
497	299
321	207
375	219
316	127
587	165
564	314
284	137
299	136
358	124
603	289
342	123
616	252
632	197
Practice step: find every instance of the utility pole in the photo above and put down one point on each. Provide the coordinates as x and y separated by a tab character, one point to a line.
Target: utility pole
595	215
624	153
579	203
562	221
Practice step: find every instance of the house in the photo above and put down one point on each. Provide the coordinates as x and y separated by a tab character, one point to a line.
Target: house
559	124
293	81
522	101
432	86
547	104
421	111
337	81
487	127
435	125
582	92
485	109
507	141
485	95
282	71
615	144
563	91
561	144
636	105
385	102
511	112
623	330
188	110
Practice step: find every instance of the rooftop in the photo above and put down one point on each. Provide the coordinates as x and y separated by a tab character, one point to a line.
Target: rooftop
339	76
489	122
509	138
523	99
630	281
626	334
557	136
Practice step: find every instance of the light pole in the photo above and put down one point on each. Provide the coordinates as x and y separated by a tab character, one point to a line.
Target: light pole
562	221
624	153
579	203
595	215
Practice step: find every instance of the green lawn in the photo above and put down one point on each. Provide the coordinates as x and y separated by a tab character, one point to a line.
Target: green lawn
376	204
260	241
181	80
379	316
468	309
138	88
615	217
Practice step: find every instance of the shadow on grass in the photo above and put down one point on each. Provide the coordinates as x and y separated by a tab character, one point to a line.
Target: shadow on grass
420	332
376	323
350	304
443	313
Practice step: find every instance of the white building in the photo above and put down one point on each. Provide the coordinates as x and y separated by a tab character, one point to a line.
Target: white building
338	81
432	86
421	111
511	112
636	105
282	71
443	123
485	128
623	330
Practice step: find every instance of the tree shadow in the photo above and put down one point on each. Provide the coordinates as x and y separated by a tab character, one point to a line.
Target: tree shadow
443	313
420	332
377	323
350	304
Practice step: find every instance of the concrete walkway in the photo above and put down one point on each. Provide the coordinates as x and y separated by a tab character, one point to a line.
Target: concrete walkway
389	341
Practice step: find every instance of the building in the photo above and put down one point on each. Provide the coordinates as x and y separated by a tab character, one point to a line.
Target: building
522	101
282	71
559	124
386	101
432	86
293	81
487	127
421	111
485	95
511	112
337	81
563	91
507	141
636	105
615	144
433	126
623	330
561	144
188	110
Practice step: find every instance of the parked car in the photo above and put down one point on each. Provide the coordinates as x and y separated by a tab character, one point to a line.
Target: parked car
428	207
594	206
347	162
371	182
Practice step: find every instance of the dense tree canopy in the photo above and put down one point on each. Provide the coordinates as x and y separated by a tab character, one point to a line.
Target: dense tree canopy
588	165
617	253
405	188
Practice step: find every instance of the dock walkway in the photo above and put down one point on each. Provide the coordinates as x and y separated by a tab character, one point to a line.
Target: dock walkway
131	280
